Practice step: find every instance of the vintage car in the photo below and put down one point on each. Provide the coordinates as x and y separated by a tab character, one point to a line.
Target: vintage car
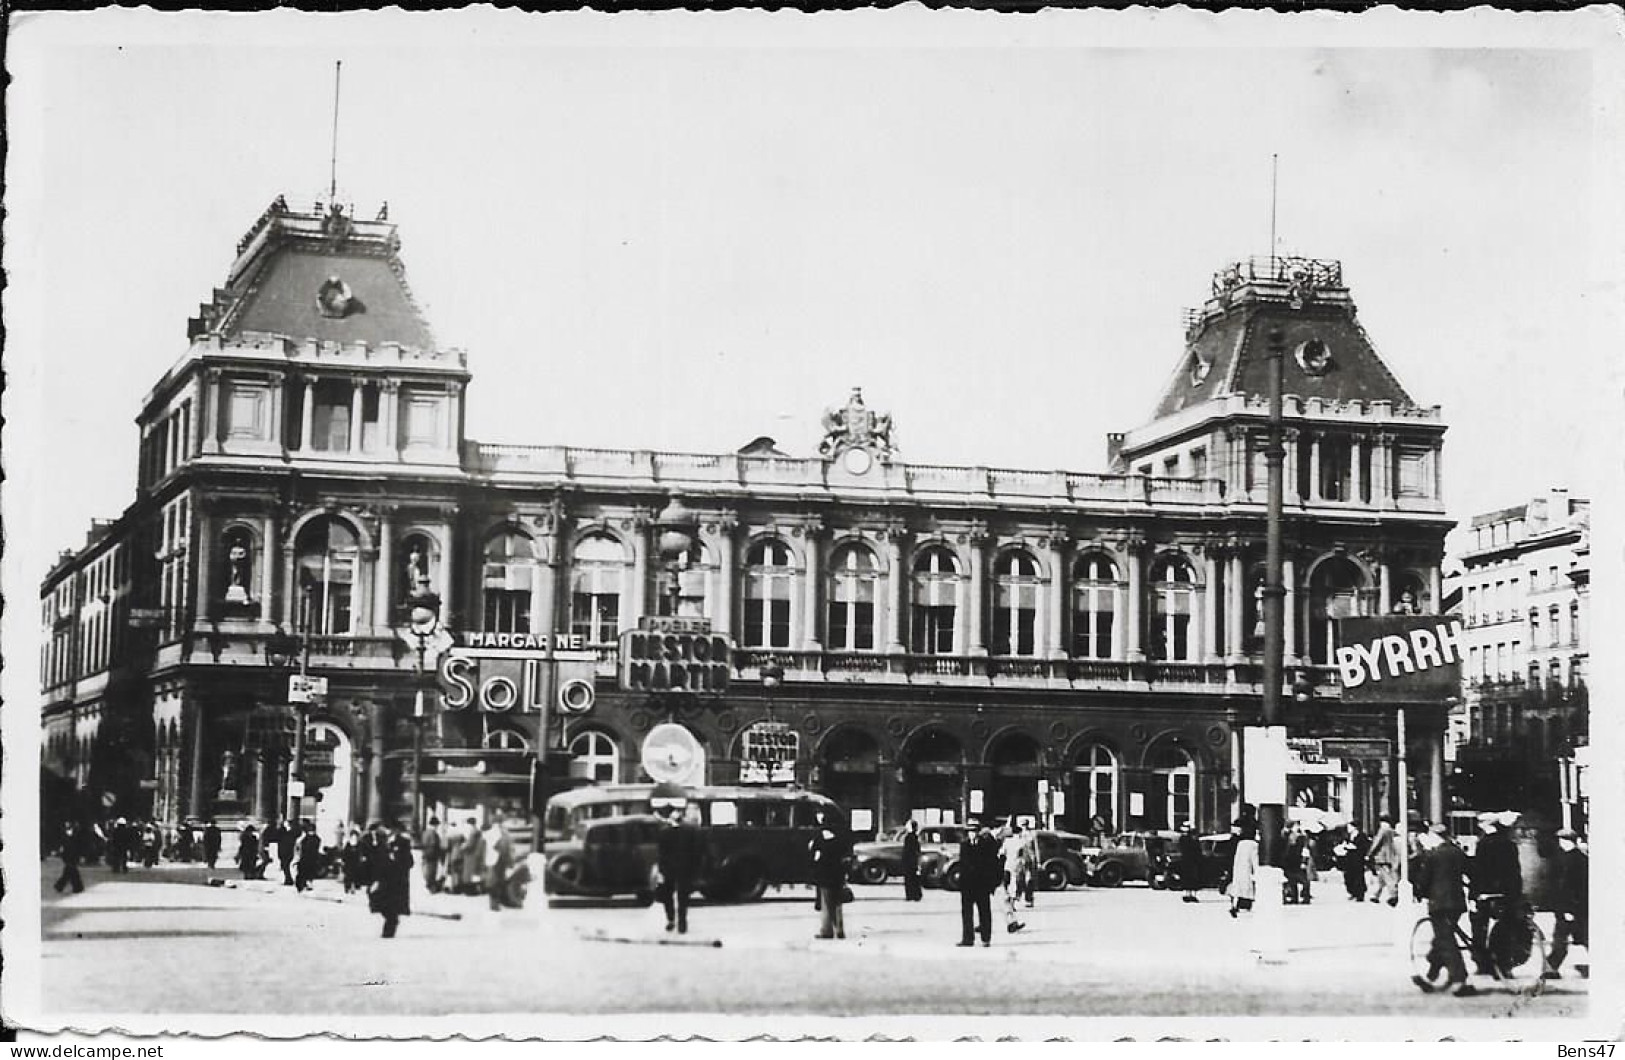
1130	856
881	859
1062	862
1213	871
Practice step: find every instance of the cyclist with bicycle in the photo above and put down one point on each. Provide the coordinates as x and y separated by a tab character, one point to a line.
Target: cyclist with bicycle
1438	882
1496	881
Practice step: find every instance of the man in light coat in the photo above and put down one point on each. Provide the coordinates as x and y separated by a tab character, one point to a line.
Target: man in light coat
1384	858
498	860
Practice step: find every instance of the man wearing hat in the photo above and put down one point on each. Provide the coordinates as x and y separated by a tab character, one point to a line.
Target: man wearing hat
1496	879
979	876
680	854
1439	870
1570	902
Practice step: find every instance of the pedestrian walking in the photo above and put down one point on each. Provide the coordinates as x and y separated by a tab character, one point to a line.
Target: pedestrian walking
1350	854
1243	873
287	845
911	862
1384	859
830	850
451	877
498	861
679	856
1297	865
979	874
1495	881
350	862
310	858
1439	871
1571	903
1016	851
1190	861
211	843
433	847
152	843
390	893
71	848
473	864
120	845
248	852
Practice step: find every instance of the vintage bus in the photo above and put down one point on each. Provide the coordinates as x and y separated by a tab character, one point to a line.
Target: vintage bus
601	841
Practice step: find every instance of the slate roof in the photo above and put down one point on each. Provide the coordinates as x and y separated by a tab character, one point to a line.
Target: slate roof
283	263
1231	338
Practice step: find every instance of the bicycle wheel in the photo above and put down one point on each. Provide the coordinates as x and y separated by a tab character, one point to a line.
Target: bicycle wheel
1421	946
1518	950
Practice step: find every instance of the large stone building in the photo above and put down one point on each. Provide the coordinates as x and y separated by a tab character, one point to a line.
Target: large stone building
1059	643
1525	590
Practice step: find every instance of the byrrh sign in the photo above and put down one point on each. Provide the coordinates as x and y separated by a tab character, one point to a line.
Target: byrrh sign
1399	658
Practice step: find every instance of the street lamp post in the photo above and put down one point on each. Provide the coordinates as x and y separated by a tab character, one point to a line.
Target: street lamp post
281	649
1271	815
772	677
423	620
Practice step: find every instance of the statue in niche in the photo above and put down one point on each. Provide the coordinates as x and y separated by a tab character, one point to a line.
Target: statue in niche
417	572
238	574
228	775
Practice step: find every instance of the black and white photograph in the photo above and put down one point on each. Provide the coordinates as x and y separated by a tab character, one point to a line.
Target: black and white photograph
872	525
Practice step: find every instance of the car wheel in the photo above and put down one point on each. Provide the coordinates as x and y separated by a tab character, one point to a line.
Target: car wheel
1053	876
872	872
566	867
950	878
748	882
1109	875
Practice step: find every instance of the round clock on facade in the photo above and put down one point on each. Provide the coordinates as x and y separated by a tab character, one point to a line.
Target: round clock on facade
857	461
1314	356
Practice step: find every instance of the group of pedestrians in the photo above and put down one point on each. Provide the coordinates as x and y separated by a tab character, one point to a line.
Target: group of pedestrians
994	863
468	860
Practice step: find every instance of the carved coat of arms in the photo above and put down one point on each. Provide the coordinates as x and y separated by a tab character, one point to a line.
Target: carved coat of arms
856	426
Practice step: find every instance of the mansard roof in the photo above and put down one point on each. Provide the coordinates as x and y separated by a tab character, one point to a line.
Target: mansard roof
322	276
1328	354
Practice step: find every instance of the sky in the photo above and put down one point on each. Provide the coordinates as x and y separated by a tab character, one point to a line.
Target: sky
683	232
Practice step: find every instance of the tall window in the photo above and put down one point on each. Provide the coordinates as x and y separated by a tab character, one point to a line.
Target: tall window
595	757
936	602
1554	635
1574	623
330	416
1015	604
1175	777
596	572
854	584
769	574
505	582
327	558
1174	602
1554	672
1094	606
1096	774
1336	590
1534	627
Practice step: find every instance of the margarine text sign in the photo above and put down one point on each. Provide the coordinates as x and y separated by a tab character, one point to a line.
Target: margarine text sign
1399	658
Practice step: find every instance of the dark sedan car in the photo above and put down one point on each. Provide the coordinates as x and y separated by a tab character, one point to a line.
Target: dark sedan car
1213	871
1062	862
1130	856
881	859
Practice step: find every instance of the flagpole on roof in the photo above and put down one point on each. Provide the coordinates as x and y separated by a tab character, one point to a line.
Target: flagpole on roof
333	171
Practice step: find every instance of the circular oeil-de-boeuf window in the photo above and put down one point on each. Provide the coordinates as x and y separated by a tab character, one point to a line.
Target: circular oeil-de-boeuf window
1314	356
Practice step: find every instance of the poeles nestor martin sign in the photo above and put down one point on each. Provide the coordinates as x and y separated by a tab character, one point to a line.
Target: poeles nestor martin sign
1399	659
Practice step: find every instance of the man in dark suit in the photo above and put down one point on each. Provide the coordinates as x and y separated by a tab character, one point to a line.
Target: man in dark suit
1438	882
1496	881
911	863
287	845
1571	902
680	855
979	876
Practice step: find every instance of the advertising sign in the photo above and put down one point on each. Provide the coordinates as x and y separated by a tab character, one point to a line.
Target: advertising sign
1399	658
1265	758
675	662
305	688
768	751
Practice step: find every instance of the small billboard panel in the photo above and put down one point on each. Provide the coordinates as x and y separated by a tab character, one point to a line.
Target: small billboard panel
1399	658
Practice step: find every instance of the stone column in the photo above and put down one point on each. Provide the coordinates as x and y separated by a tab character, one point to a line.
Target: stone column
357	403
1382	467
1356	475
205	563
375	763
195	780
194	414
267	566
1385	587
384	573
307	415
389	411
810	587
1136	601
1314	468
1436	803
896	592
1055	638
1210	608
1436	591
1289	578
211	414
448	549
637	577
973	642
290	606
1235	600
1289	466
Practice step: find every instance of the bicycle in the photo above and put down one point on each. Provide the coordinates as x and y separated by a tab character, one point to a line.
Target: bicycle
1515	947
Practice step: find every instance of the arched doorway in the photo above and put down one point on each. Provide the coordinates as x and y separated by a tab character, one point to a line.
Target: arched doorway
933	771
1096	777
849	773
1170	801
1017	765
329	776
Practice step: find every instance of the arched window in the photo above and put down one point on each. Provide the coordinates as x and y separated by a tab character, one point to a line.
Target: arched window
595	757
936	601
1097	784
1173	586
769	573
327	560
1015	604
1337	590
506	581
1094	606
1174	778
854	585
597	568
505	740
